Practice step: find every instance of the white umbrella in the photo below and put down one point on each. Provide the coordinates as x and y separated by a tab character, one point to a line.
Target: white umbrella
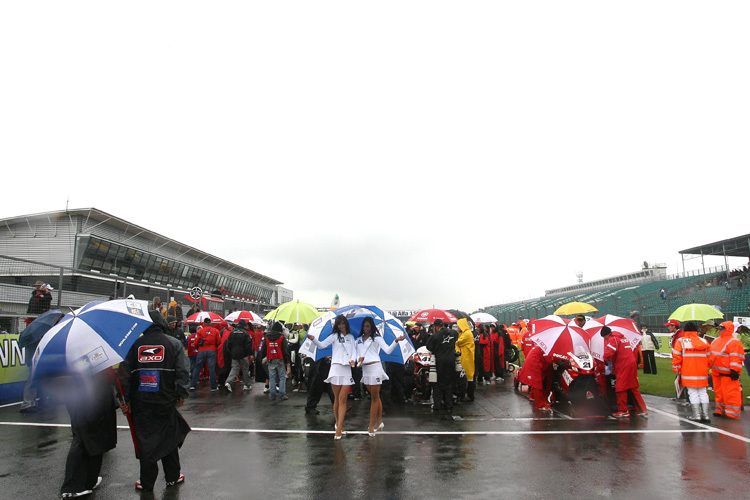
482	317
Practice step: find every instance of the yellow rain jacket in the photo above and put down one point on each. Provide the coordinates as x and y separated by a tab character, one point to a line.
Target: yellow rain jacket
465	345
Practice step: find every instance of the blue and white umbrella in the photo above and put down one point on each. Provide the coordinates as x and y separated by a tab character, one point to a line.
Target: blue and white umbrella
388	326
91	339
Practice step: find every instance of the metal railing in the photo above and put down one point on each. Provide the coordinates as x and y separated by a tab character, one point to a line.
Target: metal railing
73	288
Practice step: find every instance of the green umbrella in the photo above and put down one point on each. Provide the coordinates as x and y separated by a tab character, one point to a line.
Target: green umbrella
696	312
294	312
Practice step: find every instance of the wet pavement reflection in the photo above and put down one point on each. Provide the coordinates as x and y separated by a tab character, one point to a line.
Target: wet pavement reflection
245	446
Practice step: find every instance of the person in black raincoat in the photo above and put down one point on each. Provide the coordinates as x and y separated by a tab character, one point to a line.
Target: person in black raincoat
442	345
92	407
155	376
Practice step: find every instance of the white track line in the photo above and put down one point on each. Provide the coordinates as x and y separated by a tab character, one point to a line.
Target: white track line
700	425
407	433
11	404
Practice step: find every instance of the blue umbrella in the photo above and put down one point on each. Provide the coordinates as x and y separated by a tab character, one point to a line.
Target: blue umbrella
37	328
92	338
388	326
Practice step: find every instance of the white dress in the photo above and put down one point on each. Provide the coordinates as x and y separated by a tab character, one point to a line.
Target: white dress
372	368
343	350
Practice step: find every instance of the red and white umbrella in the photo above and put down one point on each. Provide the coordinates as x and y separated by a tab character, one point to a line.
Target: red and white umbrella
596	341
248	316
625	326
556	335
199	317
430	315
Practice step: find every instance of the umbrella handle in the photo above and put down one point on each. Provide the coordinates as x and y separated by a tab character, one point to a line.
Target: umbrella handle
129	416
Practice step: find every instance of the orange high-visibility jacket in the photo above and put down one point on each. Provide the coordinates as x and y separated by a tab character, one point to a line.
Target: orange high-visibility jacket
515	335
726	354
690	359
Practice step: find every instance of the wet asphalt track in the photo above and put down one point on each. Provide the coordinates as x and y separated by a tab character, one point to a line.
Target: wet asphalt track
245	446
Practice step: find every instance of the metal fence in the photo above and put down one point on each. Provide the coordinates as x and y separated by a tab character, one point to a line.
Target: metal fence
72	289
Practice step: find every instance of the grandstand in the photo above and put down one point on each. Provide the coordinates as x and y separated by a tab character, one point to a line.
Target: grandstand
640	293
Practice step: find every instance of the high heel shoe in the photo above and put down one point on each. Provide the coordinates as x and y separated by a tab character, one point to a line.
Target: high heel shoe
343	432
371	434
380	427
336	438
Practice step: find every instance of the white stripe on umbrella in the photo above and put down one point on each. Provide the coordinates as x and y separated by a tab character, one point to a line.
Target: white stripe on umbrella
91	338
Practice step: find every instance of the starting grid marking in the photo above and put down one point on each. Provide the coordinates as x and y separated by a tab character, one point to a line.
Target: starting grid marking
698	428
407	433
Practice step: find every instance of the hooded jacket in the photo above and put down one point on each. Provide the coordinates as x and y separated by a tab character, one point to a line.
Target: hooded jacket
240	343
617	350
175	310
727	353
155	370
465	345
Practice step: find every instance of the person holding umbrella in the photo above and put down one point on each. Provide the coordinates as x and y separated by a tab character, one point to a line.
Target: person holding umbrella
369	346
690	363
154	377
618	351
93	420
342	361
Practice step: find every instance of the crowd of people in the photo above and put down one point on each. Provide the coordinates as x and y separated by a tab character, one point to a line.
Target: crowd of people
710	355
167	362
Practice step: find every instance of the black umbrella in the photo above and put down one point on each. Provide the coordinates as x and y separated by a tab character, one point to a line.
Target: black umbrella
37	328
461	314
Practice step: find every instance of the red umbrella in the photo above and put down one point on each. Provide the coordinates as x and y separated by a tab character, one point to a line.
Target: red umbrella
557	337
430	315
199	317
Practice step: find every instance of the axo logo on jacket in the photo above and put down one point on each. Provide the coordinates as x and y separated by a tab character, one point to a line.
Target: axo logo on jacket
150	354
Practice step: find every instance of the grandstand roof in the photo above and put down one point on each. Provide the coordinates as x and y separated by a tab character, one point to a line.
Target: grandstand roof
733	247
94	218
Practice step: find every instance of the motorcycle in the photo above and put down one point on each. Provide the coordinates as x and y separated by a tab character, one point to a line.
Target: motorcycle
575	383
424	373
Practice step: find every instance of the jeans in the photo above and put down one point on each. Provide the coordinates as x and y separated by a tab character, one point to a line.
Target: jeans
276	367
209	356
238	364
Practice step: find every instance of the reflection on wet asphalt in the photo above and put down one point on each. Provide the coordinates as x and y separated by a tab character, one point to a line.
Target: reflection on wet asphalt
245	446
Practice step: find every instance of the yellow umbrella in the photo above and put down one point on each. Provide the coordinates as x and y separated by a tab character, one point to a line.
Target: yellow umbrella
575	308
294	312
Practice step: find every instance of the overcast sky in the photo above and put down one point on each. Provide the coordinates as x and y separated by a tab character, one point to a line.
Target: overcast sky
404	154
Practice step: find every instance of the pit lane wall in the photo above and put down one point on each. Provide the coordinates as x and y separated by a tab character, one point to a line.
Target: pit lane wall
13	369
